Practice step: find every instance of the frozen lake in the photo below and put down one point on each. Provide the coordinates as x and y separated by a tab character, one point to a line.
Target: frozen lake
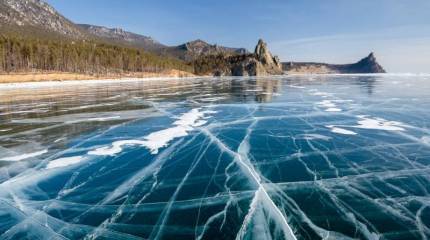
297	157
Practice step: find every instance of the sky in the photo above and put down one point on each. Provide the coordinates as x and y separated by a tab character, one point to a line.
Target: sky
333	31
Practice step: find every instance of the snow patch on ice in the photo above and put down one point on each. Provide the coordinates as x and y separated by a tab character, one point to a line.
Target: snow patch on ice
326	103
341	130
329	105
426	139
156	140
23	156
379	124
64	162
333	110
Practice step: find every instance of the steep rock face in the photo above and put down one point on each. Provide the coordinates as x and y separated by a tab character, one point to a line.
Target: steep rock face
271	64
263	55
368	64
118	35
260	63
36	14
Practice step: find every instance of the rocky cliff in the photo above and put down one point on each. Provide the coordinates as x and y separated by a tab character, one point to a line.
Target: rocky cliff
35	15
368	64
260	63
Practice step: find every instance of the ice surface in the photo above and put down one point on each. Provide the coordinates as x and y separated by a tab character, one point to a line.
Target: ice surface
291	157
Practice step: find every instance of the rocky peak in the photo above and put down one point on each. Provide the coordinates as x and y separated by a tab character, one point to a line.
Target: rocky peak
371	57
369	64
198	46
261	63
263	55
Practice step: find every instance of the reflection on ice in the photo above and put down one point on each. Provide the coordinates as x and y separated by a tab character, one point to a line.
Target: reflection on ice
295	157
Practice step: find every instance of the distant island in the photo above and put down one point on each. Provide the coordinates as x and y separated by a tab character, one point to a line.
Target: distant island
38	43
365	65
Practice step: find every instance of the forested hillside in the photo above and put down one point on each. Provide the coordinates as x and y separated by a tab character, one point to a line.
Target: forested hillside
83	56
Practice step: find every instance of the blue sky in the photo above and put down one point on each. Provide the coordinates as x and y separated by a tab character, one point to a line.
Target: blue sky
334	31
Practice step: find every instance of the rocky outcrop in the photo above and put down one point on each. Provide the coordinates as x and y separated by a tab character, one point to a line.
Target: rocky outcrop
194	49
260	63
368	64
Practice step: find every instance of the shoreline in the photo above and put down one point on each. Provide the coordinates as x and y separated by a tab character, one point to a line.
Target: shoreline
36	84
33	77
160	77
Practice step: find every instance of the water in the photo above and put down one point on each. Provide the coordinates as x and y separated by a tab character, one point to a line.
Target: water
330	157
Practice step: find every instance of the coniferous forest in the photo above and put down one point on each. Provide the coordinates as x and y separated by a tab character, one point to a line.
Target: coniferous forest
18	54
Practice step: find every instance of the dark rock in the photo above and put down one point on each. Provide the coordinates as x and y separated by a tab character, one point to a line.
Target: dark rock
260	63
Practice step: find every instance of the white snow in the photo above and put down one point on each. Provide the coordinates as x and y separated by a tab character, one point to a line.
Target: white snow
156	140
341	130
333	110
24	156
379	124
327	103
64	162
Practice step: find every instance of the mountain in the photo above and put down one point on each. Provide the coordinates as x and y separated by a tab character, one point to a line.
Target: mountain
368	64
34	37
197	48
260	63
120	36
36	18
35	15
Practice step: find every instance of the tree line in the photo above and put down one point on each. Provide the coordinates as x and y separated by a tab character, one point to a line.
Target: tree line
19	54
209	64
